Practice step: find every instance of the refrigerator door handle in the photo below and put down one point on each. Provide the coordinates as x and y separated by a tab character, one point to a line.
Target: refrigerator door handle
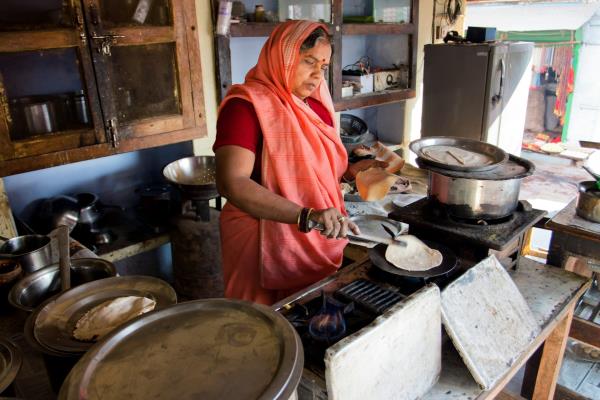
497	97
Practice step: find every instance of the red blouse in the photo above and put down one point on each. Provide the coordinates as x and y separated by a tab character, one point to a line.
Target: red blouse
238	125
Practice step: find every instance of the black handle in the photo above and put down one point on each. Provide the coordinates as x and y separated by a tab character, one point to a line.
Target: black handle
497	97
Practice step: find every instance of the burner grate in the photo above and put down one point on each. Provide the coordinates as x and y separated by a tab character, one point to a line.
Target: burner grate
369	295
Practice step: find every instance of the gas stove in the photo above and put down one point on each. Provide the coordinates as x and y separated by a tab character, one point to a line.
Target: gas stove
472	240
342	305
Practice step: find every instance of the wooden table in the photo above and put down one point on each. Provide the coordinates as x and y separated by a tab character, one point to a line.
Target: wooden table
575	246
552	295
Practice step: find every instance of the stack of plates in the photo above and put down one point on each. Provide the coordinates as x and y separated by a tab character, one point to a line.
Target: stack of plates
52	324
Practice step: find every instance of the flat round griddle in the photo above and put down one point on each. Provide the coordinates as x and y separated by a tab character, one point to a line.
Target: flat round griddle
449	261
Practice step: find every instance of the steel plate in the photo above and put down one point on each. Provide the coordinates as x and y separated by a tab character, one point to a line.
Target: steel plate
370	226
495	154
10	363
55	320
449	261
205	349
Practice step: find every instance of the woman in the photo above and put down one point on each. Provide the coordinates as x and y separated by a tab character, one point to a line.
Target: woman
279	164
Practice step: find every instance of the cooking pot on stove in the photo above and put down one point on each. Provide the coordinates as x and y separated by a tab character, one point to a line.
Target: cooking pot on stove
588	203
479	195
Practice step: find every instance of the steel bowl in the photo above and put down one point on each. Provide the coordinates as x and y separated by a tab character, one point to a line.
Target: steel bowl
588	203
32	252
34	289
194	176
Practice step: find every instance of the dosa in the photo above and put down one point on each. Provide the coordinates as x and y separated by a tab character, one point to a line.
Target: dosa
415	256
110	314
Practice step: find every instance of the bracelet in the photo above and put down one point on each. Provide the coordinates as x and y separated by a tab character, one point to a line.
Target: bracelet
303	220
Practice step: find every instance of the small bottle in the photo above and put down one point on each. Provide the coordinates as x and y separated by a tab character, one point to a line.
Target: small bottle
259	13
224	18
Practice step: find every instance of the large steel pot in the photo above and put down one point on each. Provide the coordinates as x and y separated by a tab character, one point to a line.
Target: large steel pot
588	204
484	195
31	251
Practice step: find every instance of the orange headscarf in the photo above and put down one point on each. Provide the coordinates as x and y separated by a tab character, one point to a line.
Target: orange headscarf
303	160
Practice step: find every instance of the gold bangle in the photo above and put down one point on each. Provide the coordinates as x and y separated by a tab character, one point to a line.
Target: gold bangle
310	210
298	219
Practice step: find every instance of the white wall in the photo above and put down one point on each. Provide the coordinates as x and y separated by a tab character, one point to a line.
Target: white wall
585	112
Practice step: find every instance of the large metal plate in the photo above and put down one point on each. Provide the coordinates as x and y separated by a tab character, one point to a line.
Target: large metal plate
55	320
449	261
10	363
204	349
494	154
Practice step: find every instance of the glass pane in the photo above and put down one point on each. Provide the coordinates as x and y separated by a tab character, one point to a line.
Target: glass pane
145	82
35	14
135	12
397	11
45	92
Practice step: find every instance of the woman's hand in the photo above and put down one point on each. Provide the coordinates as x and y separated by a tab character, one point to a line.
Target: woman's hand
362	165
336	225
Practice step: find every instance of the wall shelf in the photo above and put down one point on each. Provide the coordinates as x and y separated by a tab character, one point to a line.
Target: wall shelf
336	29
373	99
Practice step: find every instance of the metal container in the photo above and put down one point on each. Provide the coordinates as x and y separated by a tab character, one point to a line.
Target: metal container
40	117
229	349
34	289
588	204
88	211
31	251
483	195
194	176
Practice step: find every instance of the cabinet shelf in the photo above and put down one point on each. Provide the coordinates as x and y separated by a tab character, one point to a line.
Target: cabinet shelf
257	29
377	29
373	99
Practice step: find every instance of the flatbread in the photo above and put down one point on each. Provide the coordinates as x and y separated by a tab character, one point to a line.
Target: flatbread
415	256
109	315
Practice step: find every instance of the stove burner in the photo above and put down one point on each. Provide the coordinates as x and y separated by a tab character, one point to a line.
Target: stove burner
328	324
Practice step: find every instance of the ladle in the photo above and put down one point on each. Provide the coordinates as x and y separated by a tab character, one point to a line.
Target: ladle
64	258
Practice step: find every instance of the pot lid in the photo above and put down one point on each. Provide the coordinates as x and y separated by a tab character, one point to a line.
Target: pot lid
204	349
54	321
514	168
458	154
10	362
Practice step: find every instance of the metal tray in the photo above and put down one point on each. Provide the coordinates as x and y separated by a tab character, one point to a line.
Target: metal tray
10	363
449	261
208	349
496	155
55	320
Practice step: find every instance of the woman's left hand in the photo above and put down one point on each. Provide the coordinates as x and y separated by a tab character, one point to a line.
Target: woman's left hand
362	165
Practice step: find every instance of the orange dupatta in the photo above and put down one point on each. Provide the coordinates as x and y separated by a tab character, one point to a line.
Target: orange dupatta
303	160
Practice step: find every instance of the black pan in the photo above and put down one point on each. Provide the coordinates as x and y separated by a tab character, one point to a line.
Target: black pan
449	261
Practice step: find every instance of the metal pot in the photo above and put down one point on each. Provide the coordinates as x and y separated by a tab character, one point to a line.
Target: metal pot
31	251
194	176
484	195
588	204
56	211
32	290
88	208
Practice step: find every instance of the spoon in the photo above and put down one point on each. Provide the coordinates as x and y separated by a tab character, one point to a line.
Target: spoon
64	259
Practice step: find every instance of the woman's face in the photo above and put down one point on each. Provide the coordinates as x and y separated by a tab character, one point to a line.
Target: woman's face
311	66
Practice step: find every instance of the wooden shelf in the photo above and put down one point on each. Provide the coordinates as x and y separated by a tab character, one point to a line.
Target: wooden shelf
377	29
257	29
373	99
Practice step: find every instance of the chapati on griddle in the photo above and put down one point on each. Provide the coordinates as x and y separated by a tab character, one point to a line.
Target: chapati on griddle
415	256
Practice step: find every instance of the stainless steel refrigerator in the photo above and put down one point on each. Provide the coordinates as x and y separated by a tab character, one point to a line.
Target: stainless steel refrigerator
477	91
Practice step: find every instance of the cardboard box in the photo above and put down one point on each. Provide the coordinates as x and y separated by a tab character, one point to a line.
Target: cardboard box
365	81
398	78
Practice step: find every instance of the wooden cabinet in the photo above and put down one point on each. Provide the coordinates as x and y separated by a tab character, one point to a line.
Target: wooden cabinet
80	80
337	29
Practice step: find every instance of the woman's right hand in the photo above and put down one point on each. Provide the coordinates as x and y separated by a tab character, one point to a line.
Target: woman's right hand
335	223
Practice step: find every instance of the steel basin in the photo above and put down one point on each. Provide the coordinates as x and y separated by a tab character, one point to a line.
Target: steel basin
34	289
588	203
